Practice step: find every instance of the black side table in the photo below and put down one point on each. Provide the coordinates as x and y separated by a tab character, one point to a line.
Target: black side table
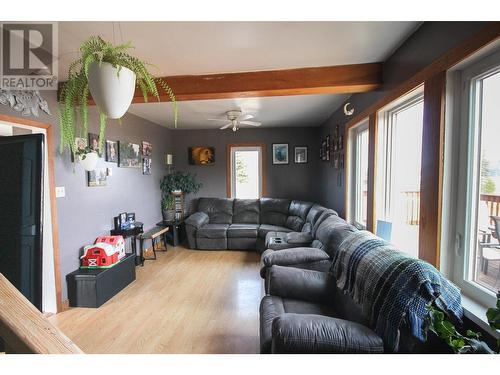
176	232
133	233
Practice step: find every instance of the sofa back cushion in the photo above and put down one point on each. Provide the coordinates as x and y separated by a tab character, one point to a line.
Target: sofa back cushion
332	231
219	210
297	213
312	216
274	211
322	217
246	211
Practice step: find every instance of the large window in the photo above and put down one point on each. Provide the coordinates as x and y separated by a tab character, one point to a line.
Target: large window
246	172
478	213
358	181
398	176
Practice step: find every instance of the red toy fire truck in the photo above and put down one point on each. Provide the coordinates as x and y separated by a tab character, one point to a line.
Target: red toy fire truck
104	253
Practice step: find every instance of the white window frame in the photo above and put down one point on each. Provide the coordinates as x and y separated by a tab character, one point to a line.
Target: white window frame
354	166
233	150
465	161
386	138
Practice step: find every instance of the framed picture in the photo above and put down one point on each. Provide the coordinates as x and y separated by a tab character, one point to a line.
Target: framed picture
323	146
336	161
94	143
328	142
97	177
130	219
280	153
129	155
147	148
327	154
201	155
300	153
341	142
122	220
111	151
146	166
80	144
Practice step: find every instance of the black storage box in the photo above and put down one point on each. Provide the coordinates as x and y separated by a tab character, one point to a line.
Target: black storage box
93	287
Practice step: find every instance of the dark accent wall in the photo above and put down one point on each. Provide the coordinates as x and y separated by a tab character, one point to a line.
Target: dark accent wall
426	44
87	212
298	181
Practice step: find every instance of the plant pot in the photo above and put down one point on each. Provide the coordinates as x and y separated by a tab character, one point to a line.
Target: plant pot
88	161
168	215
111	90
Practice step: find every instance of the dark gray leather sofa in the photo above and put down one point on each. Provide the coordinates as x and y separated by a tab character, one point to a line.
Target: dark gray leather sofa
244	224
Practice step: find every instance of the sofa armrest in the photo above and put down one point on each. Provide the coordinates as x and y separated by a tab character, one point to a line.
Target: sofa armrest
296	283
192	224
300	257
197	220
308	333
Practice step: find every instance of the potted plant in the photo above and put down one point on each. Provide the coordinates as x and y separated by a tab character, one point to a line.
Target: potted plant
110	75
87	158
178	183
168	208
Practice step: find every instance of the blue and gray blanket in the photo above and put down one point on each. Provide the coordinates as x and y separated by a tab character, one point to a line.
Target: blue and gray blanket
391	286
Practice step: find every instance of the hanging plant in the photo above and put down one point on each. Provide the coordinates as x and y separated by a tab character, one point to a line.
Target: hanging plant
113	75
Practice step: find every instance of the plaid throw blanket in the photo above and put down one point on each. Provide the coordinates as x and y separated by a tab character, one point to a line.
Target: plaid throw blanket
390	286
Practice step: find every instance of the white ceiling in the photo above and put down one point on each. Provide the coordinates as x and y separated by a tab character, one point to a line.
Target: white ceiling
178	48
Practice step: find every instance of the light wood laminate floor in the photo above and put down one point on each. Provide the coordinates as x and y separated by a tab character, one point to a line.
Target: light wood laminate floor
187	301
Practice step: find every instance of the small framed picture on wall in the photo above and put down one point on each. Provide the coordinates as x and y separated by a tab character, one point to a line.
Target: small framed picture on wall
280	153
300	154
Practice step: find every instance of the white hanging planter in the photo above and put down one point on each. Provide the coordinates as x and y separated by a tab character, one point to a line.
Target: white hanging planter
88	161
112	91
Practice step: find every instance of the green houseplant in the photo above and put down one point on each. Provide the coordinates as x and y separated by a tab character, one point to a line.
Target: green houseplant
183	182
112	68
438	324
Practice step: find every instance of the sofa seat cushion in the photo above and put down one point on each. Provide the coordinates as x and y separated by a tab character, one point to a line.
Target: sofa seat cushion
266	228
272	307
242	231
212	231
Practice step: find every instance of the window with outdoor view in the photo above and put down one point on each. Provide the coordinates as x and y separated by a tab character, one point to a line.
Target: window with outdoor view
358	143
246	172
399	167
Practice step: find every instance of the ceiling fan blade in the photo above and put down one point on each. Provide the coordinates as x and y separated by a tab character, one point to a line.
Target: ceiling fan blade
251	123
216	119
246	117
227	125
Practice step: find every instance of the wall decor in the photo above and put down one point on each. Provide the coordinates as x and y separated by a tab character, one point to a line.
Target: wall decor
280	153
146	166
94	143
327	153
341	142
111	151
300	153
97	177
201	155
80	145
129	155
26	102
146	148
323	146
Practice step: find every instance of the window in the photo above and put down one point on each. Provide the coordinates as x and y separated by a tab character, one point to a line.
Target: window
398	166
246	172
358	182
477	264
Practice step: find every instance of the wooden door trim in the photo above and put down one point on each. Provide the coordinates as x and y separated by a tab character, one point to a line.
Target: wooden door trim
263	166
371	221
53	204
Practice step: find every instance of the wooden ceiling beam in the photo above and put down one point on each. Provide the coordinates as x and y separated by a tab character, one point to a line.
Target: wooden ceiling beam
303	81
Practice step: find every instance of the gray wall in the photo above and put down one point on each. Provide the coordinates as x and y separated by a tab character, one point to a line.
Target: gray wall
430	41
297	181
87	212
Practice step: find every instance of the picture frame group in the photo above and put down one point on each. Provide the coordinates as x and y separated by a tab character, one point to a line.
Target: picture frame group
281	154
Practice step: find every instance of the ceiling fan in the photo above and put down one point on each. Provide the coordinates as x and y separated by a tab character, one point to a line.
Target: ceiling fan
236	118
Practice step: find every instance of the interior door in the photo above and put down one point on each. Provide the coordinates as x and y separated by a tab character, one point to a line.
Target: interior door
21	186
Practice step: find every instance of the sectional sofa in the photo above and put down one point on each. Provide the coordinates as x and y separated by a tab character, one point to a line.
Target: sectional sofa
303	311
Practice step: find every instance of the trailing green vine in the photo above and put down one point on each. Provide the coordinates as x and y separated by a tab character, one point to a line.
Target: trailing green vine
74	95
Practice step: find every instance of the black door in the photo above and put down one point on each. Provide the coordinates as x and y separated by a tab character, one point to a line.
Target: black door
21	207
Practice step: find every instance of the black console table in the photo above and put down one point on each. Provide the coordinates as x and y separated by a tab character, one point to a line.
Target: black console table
92	287
133	233
176	231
